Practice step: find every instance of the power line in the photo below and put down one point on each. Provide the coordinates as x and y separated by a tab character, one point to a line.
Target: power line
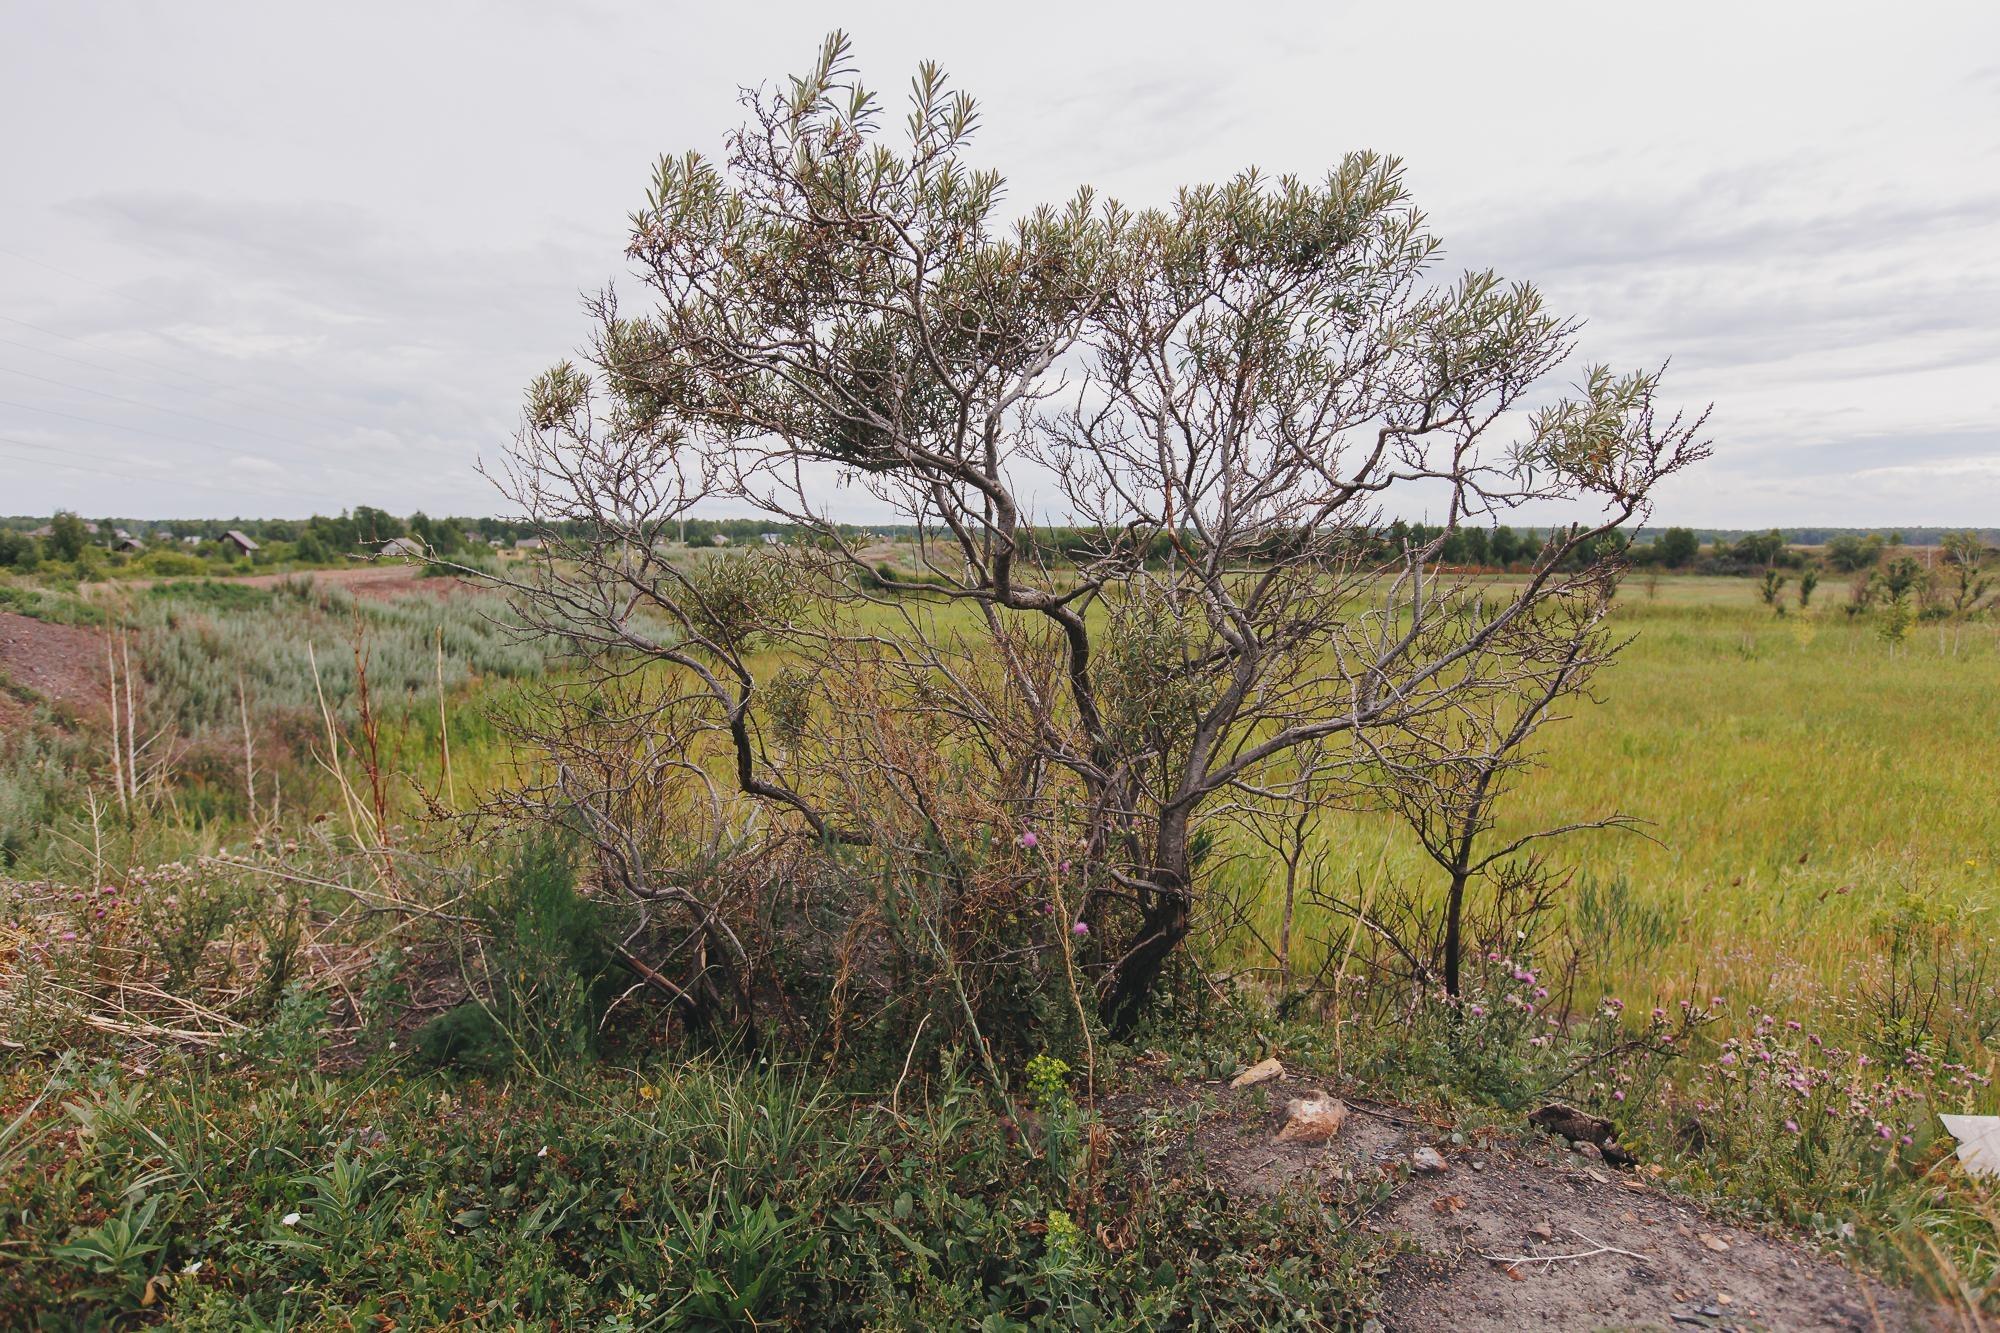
98	471
87	281
141	430
171	479
87	364
151	407
302	413
129	356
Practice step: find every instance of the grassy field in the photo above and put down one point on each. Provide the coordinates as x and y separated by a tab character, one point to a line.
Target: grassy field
1799	780
238	1023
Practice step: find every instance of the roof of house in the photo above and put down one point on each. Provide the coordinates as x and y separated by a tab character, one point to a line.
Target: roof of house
241	539
403	546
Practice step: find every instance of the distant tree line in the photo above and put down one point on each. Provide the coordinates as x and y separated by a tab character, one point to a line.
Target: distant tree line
27	541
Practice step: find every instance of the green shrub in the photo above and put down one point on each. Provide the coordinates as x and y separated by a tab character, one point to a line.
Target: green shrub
164	562
287	647
465	1037
42	774
42	604
542	965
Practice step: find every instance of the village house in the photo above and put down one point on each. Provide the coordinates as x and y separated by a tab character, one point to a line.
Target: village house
241	541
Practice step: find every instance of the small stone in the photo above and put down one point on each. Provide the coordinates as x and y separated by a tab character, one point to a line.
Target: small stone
1312	1119
1589	1151
1715	1243
1542	1231
1261	1072
1429	1161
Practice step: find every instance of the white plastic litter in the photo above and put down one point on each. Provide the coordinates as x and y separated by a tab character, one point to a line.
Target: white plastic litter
1978	1142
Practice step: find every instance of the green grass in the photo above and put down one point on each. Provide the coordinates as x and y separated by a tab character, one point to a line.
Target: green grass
1816	801
1798	780
667	1194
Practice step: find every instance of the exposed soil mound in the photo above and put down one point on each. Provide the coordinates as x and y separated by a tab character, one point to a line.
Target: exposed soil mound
1520	1232
58	664
394	579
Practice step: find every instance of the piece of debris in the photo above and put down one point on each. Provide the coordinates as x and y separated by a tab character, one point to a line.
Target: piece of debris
1429	1161
1715	1243
1542	1231
1580	1127
1312	1119
1571	1123
1597	1247
1978	1142
1261	1072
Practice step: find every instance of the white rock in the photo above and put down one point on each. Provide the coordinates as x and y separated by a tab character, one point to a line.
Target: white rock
1429	1161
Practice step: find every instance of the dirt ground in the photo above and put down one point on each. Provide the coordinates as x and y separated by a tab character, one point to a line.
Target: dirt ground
64	665
393	579
61	664
1520	1232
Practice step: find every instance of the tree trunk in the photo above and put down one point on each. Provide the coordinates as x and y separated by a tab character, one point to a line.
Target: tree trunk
1162	927
1453	912
1163	924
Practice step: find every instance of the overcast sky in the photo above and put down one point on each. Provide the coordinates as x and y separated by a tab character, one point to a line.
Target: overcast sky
270	259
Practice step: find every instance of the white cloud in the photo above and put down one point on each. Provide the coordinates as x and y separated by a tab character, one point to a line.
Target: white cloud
351	235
